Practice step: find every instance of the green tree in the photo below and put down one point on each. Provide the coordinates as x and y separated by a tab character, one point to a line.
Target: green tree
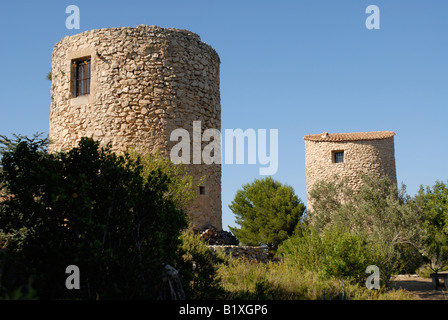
378	207
267	212
434	203
91	208
386	215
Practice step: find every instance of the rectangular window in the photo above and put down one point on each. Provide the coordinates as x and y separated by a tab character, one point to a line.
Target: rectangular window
81	77
338	156
202	190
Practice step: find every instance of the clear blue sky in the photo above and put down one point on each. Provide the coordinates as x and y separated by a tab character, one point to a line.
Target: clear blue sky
297	66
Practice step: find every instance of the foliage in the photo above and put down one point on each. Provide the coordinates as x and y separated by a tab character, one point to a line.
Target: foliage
409	260
267	212
13	240
434	203
335	253
37	142
22	293
378	206
181	187
198	267
282	281
91	208
388	218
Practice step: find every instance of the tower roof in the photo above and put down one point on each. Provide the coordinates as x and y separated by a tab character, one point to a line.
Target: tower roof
354	136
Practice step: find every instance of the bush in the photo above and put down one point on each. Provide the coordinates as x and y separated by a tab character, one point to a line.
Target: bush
335	253
181	187
282	281
389	220
91	208
198	266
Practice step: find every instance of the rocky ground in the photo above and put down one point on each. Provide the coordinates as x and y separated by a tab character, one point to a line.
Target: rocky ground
421	288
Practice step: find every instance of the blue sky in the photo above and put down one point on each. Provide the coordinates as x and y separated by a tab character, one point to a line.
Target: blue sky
297	66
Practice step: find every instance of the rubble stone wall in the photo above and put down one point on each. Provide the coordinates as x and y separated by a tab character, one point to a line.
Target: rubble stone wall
257	254
145	82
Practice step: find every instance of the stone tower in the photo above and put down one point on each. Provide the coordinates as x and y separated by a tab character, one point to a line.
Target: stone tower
348	155
131	87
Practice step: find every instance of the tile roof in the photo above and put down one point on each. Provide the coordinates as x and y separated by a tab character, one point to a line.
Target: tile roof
355	136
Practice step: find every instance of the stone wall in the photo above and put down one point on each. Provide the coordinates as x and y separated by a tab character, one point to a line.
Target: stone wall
145	82
255	254
364	153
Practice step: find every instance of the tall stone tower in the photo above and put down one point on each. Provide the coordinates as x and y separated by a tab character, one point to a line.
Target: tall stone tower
348	155
131	87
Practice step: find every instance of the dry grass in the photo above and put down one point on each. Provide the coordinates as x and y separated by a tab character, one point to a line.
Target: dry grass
278	281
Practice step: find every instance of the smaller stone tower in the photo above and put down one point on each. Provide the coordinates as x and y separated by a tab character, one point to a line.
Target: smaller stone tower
348	155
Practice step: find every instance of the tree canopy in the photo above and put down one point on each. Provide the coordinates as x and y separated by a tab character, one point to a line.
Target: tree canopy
434	203
388	221
267	212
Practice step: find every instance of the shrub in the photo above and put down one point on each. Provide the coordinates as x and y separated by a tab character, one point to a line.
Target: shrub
389	219
91	208
335	253
282	281
181	186
198	266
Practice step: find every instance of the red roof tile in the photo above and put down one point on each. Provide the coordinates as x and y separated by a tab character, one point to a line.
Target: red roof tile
355	136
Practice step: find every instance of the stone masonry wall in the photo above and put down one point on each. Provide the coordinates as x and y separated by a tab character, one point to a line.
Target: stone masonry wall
255	254
145	82
365	156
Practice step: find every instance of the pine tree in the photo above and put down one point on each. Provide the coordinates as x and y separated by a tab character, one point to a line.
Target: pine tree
267	212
